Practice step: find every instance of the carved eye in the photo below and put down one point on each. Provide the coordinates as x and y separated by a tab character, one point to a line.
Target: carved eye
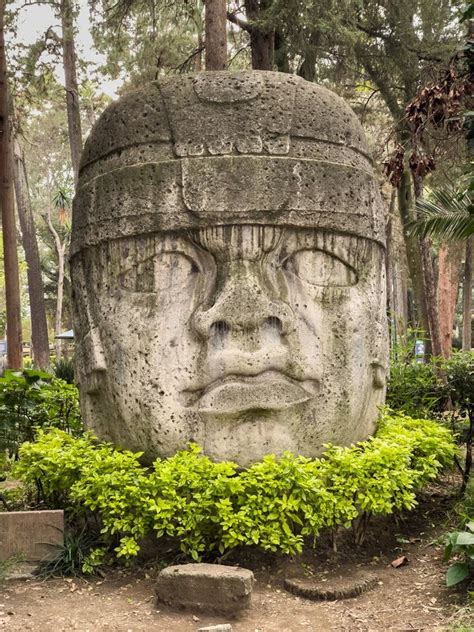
166	271
320	268
174	271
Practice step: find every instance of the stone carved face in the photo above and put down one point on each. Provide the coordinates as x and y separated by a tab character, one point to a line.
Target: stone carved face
248	338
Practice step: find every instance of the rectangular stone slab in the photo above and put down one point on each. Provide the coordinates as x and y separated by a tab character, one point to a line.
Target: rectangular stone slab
31	535
206	587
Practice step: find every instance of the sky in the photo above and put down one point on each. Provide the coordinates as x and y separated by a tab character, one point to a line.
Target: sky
34	20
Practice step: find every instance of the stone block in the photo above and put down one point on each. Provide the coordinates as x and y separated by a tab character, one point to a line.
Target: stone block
220	627
206	587
31	535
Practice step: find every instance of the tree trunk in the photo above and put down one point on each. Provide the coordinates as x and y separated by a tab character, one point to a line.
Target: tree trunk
262	46
414	259
307	70
429	282
72	90
449	264
61	252
216	34
7	203
467	299
39	325
281	53
198	56
430	297
262	42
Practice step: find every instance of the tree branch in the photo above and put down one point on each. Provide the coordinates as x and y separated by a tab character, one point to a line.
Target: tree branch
243	24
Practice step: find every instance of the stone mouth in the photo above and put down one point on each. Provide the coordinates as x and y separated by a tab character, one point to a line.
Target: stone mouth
269	390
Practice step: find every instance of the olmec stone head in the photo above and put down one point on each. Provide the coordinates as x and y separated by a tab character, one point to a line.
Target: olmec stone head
228	269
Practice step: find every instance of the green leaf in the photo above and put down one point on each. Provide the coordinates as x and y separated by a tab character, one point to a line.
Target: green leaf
456	573
465	538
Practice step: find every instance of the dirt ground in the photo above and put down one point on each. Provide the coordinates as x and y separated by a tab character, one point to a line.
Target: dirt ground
411	597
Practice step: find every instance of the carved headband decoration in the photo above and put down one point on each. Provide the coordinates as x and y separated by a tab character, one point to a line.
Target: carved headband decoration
201	150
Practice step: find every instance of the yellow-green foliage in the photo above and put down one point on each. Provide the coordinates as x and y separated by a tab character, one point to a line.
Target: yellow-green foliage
211	506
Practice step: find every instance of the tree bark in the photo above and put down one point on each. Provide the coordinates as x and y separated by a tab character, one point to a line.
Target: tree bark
7	203
61	252
72	90
449	265
39	325
307	70
467	299
216	34
198	56
281	53
429	282
414	258
262	42
430	297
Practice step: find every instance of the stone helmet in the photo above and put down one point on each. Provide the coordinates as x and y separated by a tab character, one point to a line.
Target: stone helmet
221	148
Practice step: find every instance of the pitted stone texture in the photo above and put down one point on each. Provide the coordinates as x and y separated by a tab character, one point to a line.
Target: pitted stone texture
160	141
206	587
32	536
228	267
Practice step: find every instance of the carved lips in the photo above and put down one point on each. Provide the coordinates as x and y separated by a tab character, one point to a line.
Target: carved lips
269	390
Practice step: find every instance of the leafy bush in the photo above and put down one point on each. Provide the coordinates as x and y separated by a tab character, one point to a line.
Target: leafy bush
459	388
415	388
213	507
32	399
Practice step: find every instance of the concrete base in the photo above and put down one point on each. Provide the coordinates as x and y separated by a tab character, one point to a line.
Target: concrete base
32	536
206	587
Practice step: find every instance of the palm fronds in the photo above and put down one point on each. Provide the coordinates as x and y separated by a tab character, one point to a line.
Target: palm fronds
447	213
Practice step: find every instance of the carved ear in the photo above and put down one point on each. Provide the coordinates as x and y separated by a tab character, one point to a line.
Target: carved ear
94	365
90	357
379	374
379	368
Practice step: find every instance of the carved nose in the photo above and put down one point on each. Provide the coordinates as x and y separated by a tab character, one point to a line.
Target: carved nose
244	307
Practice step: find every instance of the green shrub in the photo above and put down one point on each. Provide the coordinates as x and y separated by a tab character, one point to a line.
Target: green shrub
213	507
31	399
414	388
459	388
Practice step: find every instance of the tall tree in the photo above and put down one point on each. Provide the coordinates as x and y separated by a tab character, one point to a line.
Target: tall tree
260	29
39	325
449	214
399	45
7	202
71	86
141	39
61	201
216	34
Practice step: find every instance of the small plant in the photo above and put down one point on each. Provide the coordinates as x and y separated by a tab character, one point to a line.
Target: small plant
75	557
460	544
64	369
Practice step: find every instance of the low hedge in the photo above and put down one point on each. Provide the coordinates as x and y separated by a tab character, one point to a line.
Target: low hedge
213	507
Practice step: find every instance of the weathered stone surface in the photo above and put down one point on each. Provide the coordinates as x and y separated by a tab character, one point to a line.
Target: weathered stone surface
228	269
221	627
206	587
31	535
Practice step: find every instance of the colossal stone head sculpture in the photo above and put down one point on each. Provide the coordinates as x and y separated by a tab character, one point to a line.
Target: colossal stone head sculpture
228	269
